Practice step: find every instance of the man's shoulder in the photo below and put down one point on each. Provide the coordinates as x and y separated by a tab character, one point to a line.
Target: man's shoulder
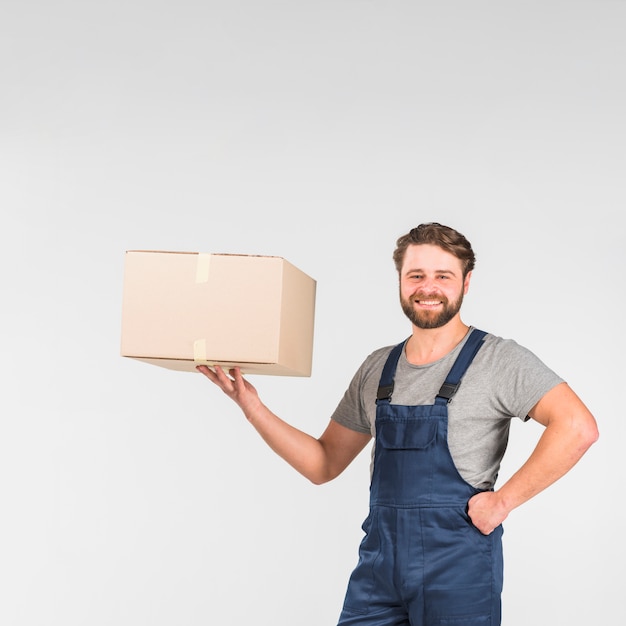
499	350
496	342
378	356
372	365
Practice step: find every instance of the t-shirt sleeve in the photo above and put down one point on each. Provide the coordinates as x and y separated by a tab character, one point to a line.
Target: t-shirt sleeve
521	379
350	412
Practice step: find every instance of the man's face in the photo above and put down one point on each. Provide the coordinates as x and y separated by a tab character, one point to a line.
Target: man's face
431	285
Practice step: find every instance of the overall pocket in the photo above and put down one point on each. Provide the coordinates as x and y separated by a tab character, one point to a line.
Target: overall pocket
407	434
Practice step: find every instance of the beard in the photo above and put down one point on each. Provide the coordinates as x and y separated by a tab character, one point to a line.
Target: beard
431	319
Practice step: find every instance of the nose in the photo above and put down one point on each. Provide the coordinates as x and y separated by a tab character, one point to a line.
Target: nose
427	285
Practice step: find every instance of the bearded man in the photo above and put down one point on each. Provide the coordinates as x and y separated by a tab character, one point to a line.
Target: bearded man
438	405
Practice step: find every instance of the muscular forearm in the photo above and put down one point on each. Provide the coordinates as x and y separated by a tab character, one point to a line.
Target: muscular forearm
319	460
303	452
570	431
557	451
555	454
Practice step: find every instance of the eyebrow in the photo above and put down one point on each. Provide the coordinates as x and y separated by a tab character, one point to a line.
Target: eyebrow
435	272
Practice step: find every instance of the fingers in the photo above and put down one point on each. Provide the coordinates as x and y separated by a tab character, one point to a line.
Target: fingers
203	369
217	375
237	379
230	385
210	373
484	512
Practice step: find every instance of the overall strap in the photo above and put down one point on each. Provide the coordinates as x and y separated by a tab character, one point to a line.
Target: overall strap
463	361
385	386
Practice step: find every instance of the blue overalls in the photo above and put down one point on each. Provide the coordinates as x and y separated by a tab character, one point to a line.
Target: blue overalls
422	562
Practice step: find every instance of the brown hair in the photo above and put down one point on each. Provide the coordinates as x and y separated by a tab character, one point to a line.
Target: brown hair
436	234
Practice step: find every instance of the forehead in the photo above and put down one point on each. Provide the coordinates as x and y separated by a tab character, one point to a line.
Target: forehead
428	257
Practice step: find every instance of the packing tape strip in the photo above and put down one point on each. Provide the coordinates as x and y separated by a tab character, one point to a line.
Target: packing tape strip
203	265
199	350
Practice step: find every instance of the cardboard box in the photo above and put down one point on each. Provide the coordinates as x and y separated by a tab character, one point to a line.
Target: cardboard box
182	309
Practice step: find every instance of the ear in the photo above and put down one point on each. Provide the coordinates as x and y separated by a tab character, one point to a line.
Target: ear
466	283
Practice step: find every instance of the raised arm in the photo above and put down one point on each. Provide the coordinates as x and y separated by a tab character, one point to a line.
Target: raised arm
319	460
570	429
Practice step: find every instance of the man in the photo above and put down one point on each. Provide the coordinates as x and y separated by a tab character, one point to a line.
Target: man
439	406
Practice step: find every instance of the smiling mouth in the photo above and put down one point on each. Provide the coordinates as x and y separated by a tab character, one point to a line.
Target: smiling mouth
429	303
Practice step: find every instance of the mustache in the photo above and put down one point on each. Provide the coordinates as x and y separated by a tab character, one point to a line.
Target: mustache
421	295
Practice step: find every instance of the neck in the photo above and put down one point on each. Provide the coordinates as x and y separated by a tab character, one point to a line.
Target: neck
427	345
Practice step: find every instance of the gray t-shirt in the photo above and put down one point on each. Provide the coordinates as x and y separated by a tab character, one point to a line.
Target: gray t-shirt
505	380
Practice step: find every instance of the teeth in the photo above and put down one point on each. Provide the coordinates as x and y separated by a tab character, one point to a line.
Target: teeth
428	302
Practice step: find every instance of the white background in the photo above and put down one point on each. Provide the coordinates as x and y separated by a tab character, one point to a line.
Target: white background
320	132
